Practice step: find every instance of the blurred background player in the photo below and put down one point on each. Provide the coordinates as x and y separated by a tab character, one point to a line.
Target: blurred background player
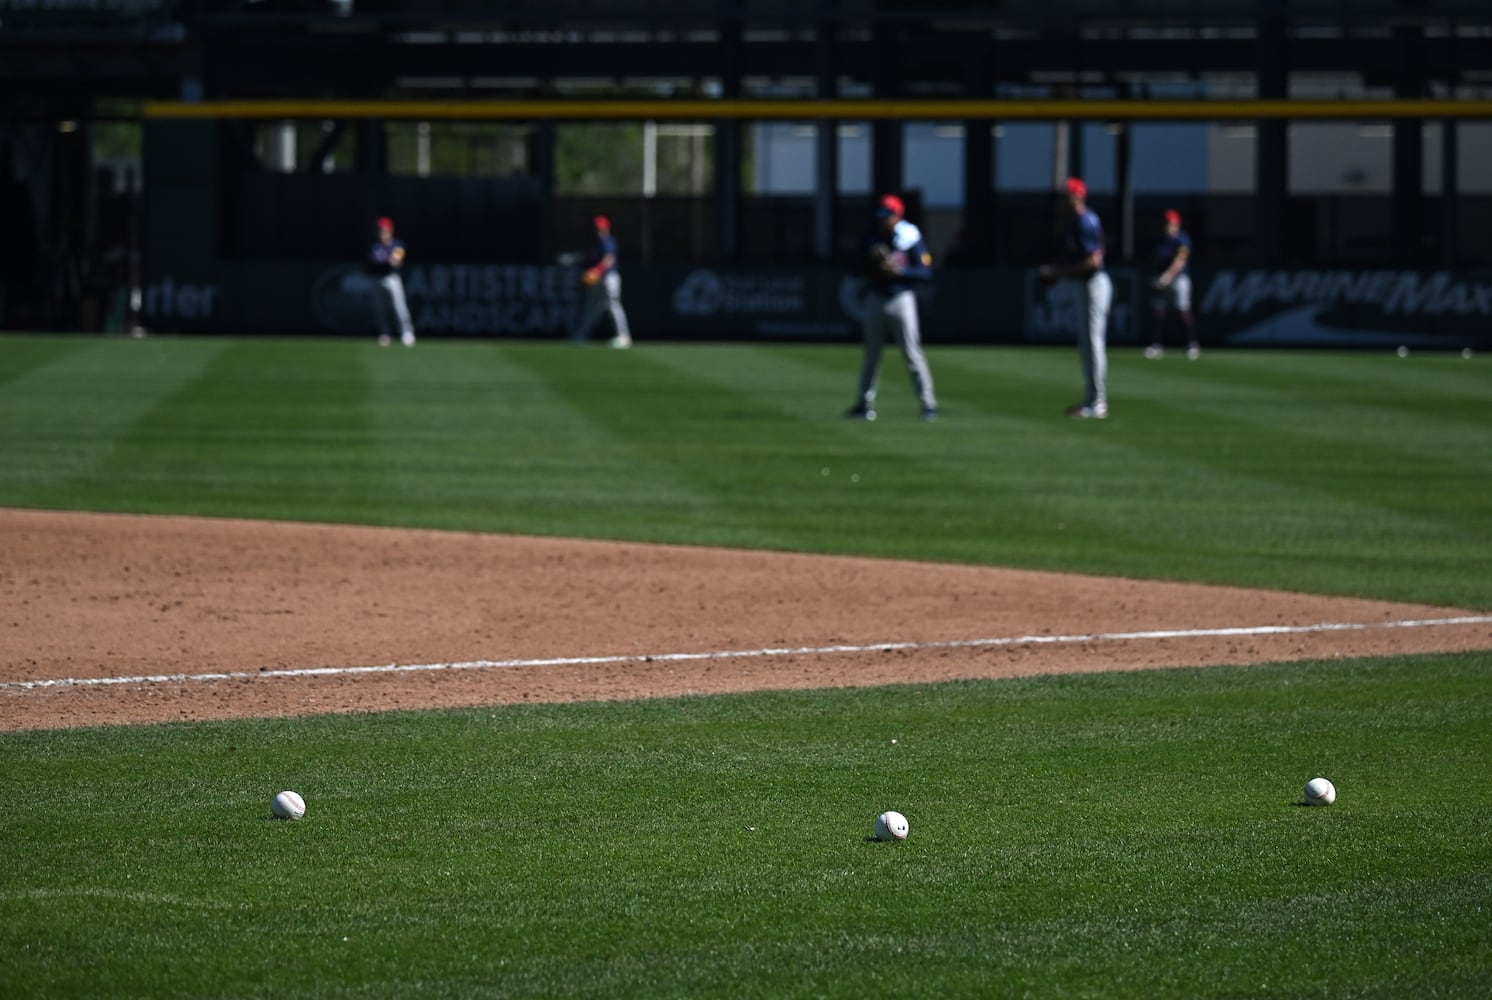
1174	287
893	260
603	288
385	260
1082	262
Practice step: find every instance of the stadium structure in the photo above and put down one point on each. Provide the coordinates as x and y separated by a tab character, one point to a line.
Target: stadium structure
214	166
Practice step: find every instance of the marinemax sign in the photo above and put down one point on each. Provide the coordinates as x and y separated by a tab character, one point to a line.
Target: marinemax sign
1393	292
1358	308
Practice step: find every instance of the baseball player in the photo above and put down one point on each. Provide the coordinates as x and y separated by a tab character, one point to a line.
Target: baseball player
1082	262
385	259
892	261
1174	287
603	288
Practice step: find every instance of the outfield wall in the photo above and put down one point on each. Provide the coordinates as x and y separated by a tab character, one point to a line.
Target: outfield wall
1234	307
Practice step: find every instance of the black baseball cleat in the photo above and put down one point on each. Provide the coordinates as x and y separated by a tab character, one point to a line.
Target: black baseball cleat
860	413
930	414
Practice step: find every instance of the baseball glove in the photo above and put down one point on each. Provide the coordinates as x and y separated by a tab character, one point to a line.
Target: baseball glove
589	278
882	261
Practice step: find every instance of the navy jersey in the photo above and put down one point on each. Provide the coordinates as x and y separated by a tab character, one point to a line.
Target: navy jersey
1085	238
905	247
605	246
1167	249
380	258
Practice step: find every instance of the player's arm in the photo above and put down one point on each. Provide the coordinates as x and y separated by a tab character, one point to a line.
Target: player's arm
1169	274
919	263
1084	268
1091	237
594	273
1088	266
1090	243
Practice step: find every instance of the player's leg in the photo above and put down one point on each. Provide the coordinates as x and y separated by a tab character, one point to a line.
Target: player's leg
1181	299
395	286
1158	310
378	297
1100	296
873	325
1085	348
590	312
613	283
908	332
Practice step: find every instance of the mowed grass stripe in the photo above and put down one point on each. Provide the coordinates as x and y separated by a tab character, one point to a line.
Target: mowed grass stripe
1371	376
260	430
1410	413
21	354
1289	490
1416	462
68	403
1147	481
1125	835
812	479
611	471
716	420
472	437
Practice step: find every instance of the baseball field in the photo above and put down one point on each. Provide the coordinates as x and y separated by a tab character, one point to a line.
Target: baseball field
595	668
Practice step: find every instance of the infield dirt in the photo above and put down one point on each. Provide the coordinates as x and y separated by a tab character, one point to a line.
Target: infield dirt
93	597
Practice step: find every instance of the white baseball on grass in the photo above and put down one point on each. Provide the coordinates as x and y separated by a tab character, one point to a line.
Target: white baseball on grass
288	805
891	825
1320	792
1403	351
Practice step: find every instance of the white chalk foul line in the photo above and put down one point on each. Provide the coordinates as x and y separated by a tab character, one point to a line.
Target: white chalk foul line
735	654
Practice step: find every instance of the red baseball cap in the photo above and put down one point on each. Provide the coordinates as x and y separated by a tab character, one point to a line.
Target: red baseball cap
384	222
891	205
1173	216
1077	188
601	222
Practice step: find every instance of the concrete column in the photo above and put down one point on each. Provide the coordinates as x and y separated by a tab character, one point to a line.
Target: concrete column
826	144
1271	155
1450	196
979	160
886	135
728	138
1408	153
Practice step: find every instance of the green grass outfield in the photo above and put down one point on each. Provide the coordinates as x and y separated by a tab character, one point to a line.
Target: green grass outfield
1344	473
1127	835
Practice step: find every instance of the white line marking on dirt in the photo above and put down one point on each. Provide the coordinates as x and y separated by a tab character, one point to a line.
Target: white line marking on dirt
733	654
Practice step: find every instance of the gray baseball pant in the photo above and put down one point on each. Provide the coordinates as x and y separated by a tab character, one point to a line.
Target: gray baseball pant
1097	295
894	316
388	297
1178	294
602	297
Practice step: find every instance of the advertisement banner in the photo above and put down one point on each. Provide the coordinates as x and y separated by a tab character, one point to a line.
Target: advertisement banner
767	303
1055	313
1322	308
494	300
1243	308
